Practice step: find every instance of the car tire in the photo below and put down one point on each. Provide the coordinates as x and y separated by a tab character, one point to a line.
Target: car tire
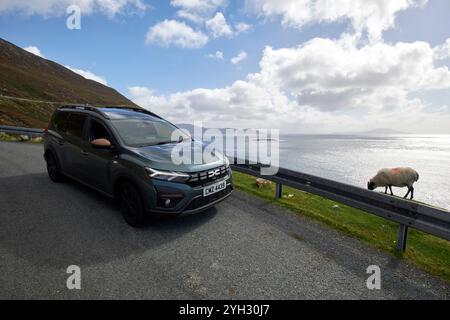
131	204
53	170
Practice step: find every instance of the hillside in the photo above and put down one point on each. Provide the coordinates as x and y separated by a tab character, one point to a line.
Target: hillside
25	75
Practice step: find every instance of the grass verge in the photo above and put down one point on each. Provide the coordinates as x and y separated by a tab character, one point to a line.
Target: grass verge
428	252
19	138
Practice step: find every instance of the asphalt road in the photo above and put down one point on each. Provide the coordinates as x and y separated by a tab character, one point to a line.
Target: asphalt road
245	248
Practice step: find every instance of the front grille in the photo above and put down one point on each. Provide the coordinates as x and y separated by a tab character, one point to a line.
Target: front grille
203	201
204	178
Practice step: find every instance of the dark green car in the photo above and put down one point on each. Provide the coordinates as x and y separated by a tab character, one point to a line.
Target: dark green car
126	154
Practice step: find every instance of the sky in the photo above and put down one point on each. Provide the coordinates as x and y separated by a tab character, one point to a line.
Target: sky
300	66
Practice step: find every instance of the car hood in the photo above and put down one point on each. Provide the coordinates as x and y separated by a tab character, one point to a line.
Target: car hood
160	157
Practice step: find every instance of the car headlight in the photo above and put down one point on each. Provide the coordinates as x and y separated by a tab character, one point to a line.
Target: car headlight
167	175
227	162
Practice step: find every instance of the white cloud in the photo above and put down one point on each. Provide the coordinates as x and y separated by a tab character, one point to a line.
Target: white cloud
89	75
373	16
172	32
190	16
244	104
49	8
218	26
336	74
321	86
217	55
241	27
239	58
442	51
197	10
199	5
145	97
34	50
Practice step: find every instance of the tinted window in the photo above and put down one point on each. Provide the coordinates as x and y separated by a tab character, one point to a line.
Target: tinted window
60	121
75	125
98	131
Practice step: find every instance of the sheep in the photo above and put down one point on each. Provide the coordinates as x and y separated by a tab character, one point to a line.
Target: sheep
260	182
397	177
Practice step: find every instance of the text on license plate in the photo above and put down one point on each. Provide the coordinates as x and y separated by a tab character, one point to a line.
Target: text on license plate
219	186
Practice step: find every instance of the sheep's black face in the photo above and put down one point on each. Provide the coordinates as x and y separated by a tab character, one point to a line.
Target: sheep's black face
371	185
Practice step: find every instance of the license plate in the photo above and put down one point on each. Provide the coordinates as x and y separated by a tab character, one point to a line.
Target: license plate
214	188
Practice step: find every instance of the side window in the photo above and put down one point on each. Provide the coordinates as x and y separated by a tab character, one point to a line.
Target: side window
98	131
75	125
60	121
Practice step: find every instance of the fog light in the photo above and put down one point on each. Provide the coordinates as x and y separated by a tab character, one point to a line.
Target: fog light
168	197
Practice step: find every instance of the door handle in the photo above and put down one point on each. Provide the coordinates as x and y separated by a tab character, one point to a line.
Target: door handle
61	142
84	153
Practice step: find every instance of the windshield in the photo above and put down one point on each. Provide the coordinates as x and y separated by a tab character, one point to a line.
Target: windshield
141	133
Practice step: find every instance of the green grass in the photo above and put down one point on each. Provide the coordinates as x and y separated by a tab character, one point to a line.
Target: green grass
7	137
18	138
429	253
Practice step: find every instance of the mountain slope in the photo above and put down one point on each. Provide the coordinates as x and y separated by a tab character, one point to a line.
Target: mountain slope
25	75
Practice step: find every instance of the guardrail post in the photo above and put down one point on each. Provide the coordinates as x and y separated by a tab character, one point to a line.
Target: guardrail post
402	237
278	191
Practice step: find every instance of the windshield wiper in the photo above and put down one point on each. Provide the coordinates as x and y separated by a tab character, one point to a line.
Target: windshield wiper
165	142
150	144
171	141
160	143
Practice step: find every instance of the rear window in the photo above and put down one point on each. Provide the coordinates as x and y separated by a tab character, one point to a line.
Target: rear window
75	125
60	120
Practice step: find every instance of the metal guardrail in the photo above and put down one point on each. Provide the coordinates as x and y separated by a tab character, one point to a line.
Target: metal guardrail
31	132
405	212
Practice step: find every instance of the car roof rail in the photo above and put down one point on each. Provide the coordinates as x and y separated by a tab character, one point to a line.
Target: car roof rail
135	109
86	107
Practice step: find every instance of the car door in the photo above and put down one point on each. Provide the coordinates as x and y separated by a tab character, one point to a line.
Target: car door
97	162
57	139
73	147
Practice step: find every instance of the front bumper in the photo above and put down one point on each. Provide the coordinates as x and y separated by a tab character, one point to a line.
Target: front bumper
192	199
201	203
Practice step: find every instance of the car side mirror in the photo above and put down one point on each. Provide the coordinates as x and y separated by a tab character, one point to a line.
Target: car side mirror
101	144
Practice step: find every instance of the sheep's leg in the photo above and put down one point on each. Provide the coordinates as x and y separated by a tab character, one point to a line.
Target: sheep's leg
406	195
385	190
390	189
412	193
